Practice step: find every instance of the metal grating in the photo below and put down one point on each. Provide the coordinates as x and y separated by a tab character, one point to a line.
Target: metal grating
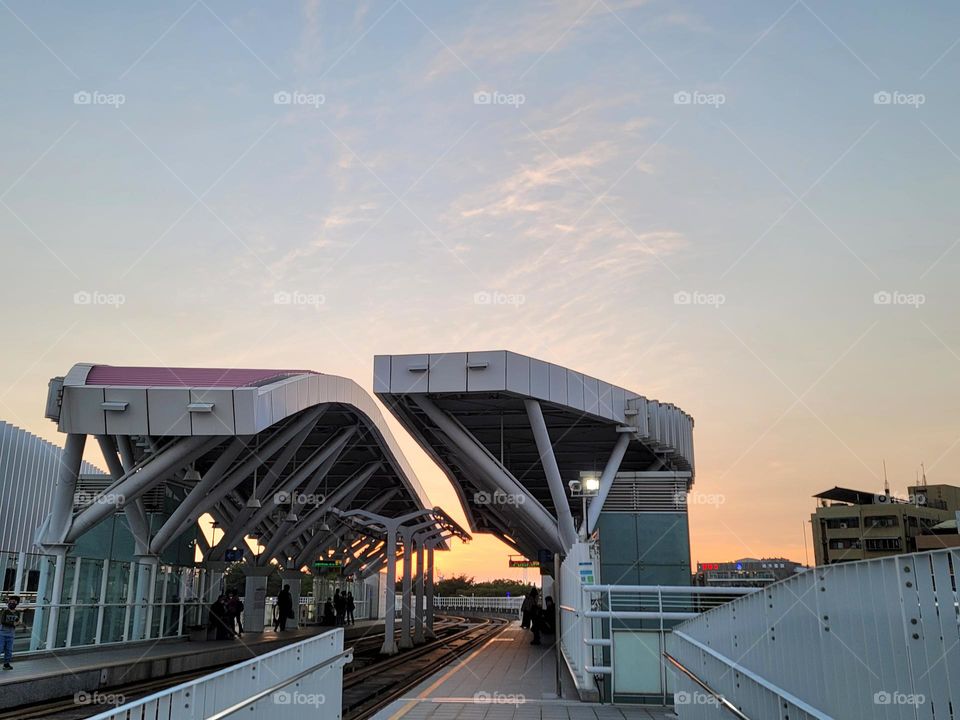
636	492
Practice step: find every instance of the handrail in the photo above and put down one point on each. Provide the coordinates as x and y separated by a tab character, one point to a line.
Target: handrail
279	686
721	700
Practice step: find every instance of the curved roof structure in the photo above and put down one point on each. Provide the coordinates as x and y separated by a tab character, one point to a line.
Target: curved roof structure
498	421
268	453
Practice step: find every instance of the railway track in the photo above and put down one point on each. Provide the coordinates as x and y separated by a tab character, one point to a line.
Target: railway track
370	682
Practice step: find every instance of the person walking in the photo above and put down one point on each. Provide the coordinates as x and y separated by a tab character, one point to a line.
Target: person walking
235	612
351	606
9	619
284	606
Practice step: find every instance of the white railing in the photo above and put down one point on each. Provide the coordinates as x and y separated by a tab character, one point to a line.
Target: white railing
628	628
477	603
868	640
299	680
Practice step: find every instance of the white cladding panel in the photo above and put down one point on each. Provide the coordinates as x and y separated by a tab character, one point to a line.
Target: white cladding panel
539	379
408	374
82	408
448	373
245	403
518	373
575	390
133	420
591	395
219	421
381	373
558	384
605	399
619	403
167	409
486	371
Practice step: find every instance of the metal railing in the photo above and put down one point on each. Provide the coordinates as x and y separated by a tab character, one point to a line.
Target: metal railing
256	687
627	627
867	640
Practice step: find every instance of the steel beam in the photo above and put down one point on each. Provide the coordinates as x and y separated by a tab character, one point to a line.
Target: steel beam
558	493
606	481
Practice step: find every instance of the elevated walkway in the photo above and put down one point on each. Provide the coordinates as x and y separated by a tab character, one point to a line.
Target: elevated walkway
47	676
506	678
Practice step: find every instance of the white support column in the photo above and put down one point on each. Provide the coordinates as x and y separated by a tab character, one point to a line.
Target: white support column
61	511
406	641
429	591
145	567
606	481
101	605
418	634
548	460
72	612
60	553
389	590
255	599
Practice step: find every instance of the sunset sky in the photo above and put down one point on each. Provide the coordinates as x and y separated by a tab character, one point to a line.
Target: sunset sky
747	209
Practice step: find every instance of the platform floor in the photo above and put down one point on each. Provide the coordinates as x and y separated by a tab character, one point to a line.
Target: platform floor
506	679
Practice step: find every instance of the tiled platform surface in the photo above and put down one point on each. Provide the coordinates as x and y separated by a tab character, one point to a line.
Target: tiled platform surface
54	675
506	679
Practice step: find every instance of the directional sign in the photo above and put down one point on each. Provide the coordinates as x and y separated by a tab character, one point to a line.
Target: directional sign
524	563
328	565
233	555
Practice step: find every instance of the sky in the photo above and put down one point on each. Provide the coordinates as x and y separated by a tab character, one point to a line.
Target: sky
746	209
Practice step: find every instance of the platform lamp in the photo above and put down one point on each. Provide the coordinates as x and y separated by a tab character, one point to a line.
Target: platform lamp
587	486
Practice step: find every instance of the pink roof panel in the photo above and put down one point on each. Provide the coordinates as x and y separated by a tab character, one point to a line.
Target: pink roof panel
185	377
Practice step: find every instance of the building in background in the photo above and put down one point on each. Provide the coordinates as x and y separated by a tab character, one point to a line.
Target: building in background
746	572
28	474
858	525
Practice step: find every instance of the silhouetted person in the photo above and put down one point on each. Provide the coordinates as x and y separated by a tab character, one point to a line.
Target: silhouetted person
285	606
549	616
9	619
536	621
526	609
218	619
351	606
328	617
340	605
234	612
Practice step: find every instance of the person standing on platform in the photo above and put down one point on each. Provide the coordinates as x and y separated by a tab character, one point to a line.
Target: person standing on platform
536	620
9	619
529	602
218	619
235	612
351	606
549	616
284	606
340	605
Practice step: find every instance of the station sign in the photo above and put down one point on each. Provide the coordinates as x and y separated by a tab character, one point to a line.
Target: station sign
233	555
328	565
708	566
524	563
